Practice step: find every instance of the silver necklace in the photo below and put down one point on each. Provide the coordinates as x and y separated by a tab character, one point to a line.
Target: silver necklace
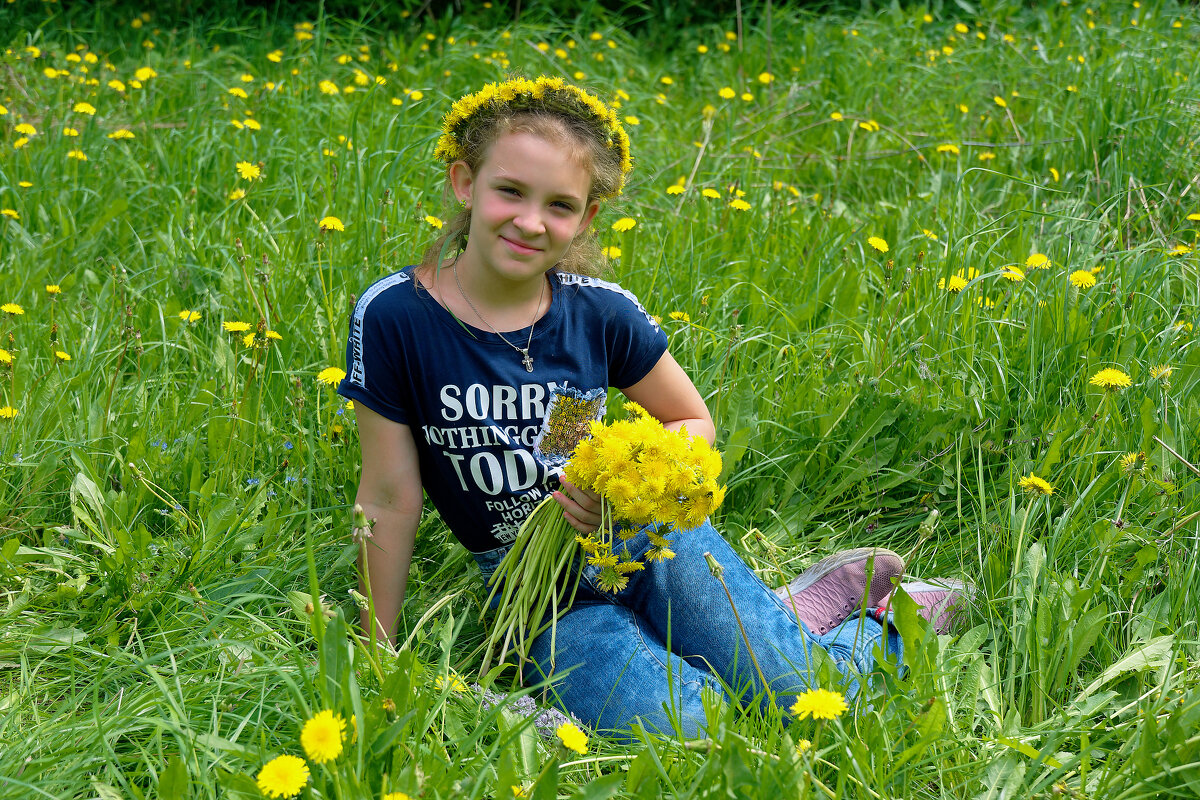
526	359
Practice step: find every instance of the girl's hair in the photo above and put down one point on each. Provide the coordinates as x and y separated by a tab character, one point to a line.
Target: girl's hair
589	139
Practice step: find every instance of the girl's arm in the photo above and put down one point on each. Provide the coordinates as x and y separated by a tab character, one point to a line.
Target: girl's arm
389	490
671	398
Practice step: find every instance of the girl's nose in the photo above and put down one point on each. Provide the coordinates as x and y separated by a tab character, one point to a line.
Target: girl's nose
529	222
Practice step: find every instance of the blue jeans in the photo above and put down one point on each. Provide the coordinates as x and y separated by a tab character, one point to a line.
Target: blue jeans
644	654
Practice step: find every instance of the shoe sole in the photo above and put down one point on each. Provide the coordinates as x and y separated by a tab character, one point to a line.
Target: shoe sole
881	579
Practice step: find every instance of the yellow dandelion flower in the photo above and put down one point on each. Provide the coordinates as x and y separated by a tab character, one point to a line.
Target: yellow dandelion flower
235	327
624	224
433	221
187	315
803	746
632	120
5	357
1132	462
252	124
1110	379
328	87
25	129
611	252
8	412
323	736
987	156
78	155
237	194
1082	279
836	116
275	56
1037	261
84	108
238	92
331	376
726	93
1194	217
116	85
331	224
1035	485
680	316
403	796
453	681
954	285
11	213
1000	101
61	356
247	170
1180	250
675	188
1162	372
819	704
739	204
121	133
712	194
53	288
284	776
572	737
1014	274
952	149
145	74
70	132
878	243
765	77
12	309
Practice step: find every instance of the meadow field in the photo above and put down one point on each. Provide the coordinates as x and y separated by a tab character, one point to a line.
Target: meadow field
931	266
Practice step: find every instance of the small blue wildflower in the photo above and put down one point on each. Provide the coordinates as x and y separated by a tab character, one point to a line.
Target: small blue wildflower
290	479
287	445
253	481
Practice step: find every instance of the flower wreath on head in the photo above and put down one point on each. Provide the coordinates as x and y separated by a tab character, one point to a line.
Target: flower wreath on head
522	94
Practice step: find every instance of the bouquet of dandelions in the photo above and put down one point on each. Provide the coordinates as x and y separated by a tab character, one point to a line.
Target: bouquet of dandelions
648	478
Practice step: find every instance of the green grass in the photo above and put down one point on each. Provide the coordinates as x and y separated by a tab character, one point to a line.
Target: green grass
171	500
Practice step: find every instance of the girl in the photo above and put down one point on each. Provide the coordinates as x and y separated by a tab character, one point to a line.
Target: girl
458	366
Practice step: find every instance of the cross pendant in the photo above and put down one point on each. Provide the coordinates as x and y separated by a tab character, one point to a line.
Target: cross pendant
527	360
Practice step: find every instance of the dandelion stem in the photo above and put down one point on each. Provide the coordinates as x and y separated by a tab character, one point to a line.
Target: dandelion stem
718	572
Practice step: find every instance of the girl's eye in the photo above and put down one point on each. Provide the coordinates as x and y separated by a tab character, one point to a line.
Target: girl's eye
508	190
564	206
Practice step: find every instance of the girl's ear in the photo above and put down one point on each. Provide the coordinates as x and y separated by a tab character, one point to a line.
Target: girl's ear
462	180
588	216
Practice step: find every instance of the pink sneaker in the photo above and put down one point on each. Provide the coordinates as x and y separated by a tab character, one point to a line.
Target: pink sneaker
939	601
828	592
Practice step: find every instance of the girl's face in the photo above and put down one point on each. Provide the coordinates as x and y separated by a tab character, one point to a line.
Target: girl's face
528	201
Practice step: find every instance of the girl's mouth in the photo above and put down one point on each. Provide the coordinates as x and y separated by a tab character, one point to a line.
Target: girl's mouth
519	247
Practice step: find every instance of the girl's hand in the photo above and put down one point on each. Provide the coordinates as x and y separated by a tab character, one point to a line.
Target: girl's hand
581	508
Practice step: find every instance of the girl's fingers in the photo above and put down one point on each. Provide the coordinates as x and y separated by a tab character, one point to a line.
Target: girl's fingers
582	516
587	500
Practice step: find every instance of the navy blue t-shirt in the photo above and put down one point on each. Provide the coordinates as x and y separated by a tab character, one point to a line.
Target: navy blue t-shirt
492	437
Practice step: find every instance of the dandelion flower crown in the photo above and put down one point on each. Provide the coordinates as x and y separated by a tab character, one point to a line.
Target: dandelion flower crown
542	94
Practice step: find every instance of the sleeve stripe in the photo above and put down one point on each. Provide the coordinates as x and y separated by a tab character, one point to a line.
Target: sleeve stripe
358	372
571	279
